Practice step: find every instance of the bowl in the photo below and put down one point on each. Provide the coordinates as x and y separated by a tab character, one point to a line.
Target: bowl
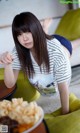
19	115
37	123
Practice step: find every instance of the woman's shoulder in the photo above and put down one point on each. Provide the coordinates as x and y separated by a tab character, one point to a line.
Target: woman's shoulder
54	44
56	47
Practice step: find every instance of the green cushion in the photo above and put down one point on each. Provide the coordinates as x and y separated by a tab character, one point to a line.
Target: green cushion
69	123
24	88
75	103
69	25
1	73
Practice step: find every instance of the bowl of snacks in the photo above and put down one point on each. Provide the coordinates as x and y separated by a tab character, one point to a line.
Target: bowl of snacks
18	116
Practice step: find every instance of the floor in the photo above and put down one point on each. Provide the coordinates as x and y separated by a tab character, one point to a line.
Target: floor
50	104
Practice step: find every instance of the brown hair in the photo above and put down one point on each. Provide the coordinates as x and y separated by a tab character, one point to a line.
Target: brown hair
27	22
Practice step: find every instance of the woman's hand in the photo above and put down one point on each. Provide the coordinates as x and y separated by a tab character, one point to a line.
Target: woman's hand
6	58
10	75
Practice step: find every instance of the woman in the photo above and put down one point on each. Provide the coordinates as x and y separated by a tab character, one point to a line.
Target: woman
41	57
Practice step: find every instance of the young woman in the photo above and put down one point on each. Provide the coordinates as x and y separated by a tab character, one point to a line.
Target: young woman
43	59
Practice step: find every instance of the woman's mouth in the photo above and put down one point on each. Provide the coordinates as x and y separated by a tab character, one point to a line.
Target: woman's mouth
28	45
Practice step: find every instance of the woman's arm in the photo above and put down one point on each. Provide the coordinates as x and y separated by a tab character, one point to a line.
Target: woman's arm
64	97
10	75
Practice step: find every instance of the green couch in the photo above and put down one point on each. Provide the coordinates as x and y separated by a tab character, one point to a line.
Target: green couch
24	88
1	73
69	123
69	25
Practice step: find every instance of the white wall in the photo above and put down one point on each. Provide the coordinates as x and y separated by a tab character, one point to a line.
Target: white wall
6	40
41	8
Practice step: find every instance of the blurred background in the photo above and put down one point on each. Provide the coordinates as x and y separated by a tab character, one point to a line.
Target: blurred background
41	8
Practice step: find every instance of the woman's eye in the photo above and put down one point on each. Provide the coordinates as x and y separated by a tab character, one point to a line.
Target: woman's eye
19	35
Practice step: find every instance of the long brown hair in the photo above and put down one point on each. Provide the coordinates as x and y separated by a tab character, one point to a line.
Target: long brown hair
27	22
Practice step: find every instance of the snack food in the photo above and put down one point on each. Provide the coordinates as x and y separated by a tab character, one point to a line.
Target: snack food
26	114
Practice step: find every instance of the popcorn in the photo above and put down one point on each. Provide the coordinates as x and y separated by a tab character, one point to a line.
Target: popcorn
20	110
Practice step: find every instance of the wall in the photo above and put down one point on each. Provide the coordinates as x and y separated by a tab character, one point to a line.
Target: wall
41	8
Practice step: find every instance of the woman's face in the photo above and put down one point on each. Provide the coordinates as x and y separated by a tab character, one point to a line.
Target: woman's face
26	39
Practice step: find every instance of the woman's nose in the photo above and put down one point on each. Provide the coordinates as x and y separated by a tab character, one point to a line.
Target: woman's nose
25	37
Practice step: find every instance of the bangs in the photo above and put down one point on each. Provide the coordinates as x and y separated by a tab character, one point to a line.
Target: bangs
20	29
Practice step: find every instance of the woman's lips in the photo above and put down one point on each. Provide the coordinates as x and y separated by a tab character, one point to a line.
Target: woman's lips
27	43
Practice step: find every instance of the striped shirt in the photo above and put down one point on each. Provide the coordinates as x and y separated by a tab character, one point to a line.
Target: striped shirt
60	68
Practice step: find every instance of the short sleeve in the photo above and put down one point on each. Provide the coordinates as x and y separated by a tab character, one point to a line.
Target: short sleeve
62	67
16	63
